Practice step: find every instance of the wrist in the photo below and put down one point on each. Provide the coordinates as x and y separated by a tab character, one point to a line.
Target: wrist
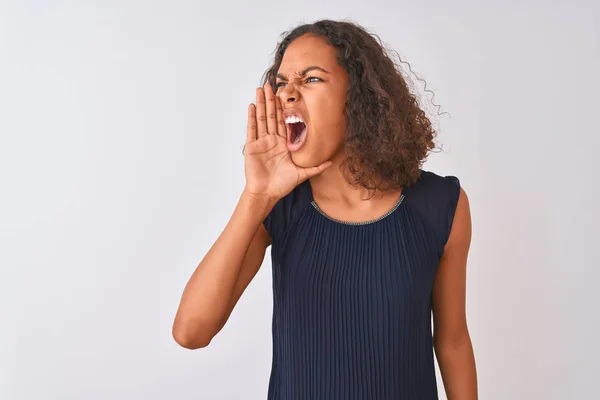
258	204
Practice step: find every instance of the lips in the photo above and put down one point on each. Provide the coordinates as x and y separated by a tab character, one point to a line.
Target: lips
296	129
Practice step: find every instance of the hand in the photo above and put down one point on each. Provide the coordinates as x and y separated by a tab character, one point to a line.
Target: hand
270	170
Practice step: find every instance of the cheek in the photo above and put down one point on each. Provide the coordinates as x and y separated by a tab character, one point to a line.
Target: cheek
332	132
327	142
327	120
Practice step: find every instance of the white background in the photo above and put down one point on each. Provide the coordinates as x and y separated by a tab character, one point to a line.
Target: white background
121	130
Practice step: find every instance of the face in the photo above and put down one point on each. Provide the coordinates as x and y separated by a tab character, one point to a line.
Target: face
312	87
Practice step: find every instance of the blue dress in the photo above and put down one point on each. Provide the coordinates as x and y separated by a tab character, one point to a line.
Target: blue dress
352	301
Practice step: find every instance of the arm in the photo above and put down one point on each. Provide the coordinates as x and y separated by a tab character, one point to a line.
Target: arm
219	280
223	274
452	342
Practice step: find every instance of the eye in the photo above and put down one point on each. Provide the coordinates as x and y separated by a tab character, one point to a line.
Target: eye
309	79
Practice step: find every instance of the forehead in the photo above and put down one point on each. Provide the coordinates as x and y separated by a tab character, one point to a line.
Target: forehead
308	50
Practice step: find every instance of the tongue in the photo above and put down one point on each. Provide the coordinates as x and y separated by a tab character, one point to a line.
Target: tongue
297	130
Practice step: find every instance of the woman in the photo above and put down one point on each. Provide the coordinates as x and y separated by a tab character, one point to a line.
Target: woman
365	244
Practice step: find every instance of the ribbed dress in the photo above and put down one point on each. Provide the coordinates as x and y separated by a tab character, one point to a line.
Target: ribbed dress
352	301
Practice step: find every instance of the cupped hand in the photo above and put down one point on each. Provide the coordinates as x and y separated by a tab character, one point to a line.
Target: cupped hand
269	168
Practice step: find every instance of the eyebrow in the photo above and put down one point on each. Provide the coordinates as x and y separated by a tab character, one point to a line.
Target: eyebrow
305	71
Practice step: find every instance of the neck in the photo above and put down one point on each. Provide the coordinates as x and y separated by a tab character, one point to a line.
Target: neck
332	185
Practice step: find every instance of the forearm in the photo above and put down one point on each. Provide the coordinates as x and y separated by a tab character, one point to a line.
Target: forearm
457	365
207	295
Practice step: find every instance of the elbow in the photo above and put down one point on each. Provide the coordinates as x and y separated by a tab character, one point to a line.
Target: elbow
190	338
451	342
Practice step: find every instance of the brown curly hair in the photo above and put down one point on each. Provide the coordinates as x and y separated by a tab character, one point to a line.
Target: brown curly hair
388	136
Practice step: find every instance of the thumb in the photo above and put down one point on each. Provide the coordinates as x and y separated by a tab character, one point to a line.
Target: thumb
306	173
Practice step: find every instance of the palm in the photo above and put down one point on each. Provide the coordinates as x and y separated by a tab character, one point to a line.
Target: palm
269	167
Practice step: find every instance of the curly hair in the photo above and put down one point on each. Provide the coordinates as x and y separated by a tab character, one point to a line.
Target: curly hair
388	136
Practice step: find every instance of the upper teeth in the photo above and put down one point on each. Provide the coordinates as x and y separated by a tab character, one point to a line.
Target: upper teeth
292	119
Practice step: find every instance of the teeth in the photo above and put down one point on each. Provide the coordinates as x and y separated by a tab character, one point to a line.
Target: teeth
292	119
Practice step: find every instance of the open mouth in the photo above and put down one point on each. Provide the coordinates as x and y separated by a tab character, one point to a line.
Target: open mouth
296	131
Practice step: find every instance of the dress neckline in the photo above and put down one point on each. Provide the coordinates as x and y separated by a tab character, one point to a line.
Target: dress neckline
353	223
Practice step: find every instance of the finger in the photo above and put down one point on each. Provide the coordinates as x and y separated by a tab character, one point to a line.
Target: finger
261	113
271	110
251	134
281	129
306	173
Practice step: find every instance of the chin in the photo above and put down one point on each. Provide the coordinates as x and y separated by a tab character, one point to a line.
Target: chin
303	159
307	159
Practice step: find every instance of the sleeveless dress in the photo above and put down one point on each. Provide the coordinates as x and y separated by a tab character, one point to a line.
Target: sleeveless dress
352	301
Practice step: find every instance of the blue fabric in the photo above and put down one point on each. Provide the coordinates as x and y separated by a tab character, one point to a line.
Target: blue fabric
352	303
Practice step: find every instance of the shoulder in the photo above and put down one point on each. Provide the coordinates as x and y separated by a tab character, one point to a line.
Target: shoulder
430	183
435	199
433	192
287	210
460	233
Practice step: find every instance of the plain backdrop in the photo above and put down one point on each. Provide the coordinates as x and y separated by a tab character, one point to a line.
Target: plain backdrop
122	124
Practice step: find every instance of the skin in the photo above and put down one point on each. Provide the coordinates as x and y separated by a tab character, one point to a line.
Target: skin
321	96
452	342
272	172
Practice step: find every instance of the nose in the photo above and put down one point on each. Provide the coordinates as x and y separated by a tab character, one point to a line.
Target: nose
288	94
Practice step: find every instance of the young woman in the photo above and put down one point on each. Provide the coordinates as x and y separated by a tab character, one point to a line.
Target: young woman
364	243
